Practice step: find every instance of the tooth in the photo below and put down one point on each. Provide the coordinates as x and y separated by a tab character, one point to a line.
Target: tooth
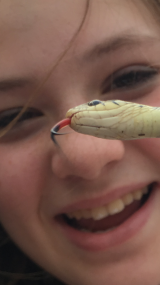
77	215
111	229
70	215
85	231
99	213
115	206
105	231
127	199
86	214
145	190
110	209
137	195
97	232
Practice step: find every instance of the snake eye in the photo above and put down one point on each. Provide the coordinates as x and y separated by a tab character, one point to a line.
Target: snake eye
95	102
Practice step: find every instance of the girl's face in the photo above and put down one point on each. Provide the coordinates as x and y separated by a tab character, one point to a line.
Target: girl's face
115	56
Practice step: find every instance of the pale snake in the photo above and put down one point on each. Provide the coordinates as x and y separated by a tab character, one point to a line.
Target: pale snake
113	119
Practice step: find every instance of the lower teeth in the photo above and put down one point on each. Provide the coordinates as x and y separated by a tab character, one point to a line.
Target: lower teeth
97	232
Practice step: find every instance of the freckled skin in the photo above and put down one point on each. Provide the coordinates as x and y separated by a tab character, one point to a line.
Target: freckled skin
36	180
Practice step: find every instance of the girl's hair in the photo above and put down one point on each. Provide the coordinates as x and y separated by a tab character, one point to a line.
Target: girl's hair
15	267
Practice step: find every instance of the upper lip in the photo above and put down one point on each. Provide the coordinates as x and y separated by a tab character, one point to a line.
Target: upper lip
102	200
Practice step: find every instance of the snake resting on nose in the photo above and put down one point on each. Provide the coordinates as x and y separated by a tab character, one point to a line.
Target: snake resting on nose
113	119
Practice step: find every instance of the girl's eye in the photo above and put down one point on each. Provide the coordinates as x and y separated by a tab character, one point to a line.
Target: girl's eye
129	78
7	116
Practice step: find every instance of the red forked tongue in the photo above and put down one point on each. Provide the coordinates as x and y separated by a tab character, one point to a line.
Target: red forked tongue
59	126
62	124
110	221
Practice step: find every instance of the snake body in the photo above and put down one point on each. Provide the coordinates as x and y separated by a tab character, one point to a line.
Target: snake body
115	119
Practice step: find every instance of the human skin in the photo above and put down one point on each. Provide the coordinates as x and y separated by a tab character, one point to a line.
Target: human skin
37	180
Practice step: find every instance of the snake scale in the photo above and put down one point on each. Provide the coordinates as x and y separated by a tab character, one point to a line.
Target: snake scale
112	119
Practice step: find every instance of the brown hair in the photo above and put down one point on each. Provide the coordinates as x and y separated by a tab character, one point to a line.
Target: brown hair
15	267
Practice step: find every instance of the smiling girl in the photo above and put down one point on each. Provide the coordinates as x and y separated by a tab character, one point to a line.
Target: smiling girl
89	211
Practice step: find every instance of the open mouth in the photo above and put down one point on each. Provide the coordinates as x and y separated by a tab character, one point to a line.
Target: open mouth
107	217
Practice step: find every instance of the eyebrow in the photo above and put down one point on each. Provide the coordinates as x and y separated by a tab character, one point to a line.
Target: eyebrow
112	44
14	83
116	43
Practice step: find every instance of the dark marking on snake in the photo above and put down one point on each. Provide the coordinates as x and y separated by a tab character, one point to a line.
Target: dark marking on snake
95	102
141	106
115	103
141	135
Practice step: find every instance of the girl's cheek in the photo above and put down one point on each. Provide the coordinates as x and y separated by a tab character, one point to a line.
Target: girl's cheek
150	147
22	181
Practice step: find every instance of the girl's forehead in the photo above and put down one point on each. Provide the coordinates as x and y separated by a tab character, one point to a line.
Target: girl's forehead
21	15
46	27
30	30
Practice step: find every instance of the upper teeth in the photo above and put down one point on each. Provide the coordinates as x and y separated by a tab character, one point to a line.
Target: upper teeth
112	208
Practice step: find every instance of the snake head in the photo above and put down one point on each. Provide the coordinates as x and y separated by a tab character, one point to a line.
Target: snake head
89	106
87	110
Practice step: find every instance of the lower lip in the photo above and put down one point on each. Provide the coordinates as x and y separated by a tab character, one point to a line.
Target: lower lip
101	241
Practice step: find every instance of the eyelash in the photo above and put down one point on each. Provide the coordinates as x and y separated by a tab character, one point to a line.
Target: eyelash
129	78
126	79
7	116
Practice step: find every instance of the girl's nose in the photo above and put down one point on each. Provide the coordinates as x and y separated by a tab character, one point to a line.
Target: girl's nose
85	156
